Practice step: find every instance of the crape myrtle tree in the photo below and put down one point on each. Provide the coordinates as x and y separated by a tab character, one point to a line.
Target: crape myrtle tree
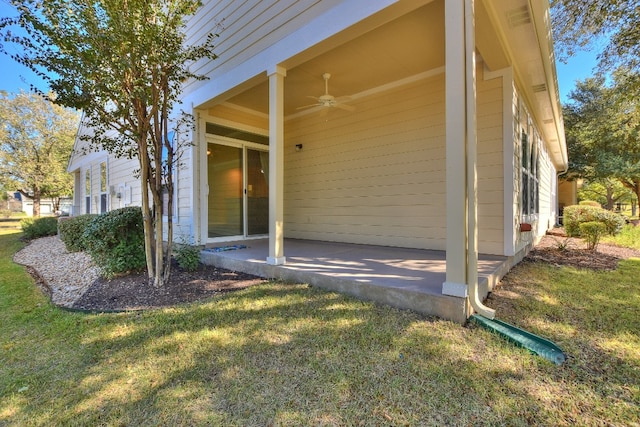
123	63
36	139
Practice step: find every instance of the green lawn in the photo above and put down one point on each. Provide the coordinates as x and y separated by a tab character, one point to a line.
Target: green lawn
281	354
629	237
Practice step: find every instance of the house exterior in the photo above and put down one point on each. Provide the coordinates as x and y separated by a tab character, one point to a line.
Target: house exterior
18	202
449	136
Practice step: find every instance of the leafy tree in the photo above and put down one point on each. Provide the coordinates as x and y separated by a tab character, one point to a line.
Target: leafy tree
609	27
123	64
36	139
602	126
607	192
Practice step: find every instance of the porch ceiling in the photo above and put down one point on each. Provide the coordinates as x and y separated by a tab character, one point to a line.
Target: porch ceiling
406	46
409	39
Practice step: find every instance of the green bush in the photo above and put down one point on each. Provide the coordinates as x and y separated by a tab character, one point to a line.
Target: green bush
188	257
39	227
575	215
592	231
115	241
72	231
590	203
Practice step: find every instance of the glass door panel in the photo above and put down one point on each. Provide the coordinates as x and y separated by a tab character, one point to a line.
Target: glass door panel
225	191
257	192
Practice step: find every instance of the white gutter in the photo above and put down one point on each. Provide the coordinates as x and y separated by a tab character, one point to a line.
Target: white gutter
472	154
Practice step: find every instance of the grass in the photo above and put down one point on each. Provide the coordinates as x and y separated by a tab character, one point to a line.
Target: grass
629	237
8	225
281	354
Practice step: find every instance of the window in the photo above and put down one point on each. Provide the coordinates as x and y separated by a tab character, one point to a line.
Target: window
529	158
87	191
103	187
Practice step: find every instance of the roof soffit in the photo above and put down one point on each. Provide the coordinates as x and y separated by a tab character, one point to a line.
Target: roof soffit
524	28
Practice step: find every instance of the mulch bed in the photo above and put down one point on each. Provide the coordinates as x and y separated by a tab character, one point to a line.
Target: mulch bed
558	249
134	292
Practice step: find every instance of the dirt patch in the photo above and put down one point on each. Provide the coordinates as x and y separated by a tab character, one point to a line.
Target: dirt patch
133	291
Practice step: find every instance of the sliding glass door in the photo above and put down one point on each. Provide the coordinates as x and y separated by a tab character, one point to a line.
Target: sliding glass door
238	202
257	175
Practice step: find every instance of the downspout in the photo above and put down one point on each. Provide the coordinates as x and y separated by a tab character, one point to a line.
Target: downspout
472	176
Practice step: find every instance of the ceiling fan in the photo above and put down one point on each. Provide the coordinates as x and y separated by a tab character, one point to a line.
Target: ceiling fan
328	100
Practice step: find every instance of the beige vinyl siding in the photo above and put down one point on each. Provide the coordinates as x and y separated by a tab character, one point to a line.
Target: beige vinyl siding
233	114
246	28
547	217
121	176
490	165
567	193
184	203
372	176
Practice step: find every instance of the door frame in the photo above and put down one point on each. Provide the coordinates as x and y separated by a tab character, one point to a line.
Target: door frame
243	145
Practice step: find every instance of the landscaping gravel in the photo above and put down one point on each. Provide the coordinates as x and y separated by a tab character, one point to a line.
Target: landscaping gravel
66	275
72	280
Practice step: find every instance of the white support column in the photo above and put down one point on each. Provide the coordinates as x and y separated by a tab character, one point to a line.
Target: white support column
472	148
276	165
456	169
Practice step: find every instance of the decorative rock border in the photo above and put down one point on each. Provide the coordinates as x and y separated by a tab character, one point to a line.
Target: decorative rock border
66	274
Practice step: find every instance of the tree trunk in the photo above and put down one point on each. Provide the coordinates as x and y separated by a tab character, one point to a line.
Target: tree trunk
56	204
635	187
36	202
610	200
167	266
147	219
158	280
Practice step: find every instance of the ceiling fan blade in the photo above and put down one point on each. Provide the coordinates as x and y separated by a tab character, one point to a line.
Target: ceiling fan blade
345	107
308	106
343	99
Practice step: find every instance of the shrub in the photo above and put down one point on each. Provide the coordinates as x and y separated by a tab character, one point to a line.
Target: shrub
575	215
72	231
188	257
5	213
592	231
115	241
590	203
39	227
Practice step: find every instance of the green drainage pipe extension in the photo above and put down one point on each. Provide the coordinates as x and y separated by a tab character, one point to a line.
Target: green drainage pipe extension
531	342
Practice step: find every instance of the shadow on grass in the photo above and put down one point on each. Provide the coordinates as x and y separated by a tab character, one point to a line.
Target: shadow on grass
280	354
273	354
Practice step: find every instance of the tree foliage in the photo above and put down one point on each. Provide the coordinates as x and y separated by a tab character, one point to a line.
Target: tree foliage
609	27
123	63
602	126
607	192
36	139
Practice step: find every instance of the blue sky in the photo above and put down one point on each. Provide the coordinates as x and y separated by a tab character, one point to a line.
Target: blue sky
14	76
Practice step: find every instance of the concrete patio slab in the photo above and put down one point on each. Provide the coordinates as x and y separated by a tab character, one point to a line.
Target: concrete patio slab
400	277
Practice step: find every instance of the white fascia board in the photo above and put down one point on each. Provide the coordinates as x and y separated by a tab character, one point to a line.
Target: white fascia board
321	28
86	160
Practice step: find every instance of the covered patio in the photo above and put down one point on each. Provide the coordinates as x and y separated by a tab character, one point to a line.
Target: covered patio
403	278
